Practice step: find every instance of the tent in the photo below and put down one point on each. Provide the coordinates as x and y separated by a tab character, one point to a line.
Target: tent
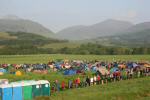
114	69
69	72
135	65
18	73
94	69
147	65
58	66
122	66
130	65
103	70
2	70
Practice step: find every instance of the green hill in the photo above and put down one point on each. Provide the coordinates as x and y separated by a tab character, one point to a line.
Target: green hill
22	38
15	24
24	43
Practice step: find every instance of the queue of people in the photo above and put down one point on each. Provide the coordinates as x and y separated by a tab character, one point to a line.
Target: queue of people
96	79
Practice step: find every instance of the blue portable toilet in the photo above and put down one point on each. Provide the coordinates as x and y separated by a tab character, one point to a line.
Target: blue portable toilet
17	91
6	92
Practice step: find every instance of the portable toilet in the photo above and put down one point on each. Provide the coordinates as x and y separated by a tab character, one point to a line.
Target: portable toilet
45	87
6	92
17	91
27	90
36	89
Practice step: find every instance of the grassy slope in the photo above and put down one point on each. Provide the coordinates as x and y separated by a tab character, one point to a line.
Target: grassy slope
45	58
136	89
4	35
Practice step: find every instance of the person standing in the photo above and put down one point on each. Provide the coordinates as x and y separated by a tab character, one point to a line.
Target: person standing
57	85
98	79
88	81
78	82
63	85
70	84
92	80
95	80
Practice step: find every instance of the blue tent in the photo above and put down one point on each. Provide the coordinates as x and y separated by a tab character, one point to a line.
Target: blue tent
57	66
69	72
2	70
94	69
130	65
135	65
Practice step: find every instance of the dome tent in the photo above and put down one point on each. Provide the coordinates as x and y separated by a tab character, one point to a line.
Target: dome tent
18	73
70	72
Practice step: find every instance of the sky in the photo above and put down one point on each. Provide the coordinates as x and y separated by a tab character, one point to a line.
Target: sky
59	14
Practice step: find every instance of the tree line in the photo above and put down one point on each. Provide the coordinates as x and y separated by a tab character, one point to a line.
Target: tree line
83	49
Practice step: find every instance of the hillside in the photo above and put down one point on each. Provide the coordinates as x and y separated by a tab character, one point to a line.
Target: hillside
105	28
22	38
135	36
24	43
16	24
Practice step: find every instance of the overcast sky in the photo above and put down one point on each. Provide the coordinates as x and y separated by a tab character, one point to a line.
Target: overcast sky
59	14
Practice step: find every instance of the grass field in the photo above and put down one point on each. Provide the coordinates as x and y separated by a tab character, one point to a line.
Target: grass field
47	57
135	89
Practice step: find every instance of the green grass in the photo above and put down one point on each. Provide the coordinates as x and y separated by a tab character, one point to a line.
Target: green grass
51	76
47	57
135	89
61	45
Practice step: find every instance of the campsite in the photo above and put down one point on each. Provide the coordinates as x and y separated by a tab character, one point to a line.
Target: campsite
74	50
59	72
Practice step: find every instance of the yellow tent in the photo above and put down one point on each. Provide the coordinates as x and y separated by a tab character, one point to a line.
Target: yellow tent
1	73
18	73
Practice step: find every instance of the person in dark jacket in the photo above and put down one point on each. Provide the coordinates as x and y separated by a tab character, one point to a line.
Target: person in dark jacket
88	81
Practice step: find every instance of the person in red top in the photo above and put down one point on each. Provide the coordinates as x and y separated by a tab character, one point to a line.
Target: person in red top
78	81
63	85
98	79
119	75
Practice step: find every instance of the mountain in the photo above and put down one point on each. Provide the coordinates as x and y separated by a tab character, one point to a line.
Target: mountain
138	27
137	35
105	28
15	24
25	39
